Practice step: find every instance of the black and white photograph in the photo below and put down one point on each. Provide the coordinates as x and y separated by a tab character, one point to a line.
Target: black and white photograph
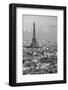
39	44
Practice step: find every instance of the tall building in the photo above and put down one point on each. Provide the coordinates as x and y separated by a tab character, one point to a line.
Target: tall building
34	43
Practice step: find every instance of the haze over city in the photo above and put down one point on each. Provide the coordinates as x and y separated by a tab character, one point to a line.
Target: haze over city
45	27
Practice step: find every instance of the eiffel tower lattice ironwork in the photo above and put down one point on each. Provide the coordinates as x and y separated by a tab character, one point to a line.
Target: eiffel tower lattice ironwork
34	41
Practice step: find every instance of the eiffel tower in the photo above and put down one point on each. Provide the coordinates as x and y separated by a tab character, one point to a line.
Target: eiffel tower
34	43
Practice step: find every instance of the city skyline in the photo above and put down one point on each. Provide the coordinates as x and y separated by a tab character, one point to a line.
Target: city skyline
45	27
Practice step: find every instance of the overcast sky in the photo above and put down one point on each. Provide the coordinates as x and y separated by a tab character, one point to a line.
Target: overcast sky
45	27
